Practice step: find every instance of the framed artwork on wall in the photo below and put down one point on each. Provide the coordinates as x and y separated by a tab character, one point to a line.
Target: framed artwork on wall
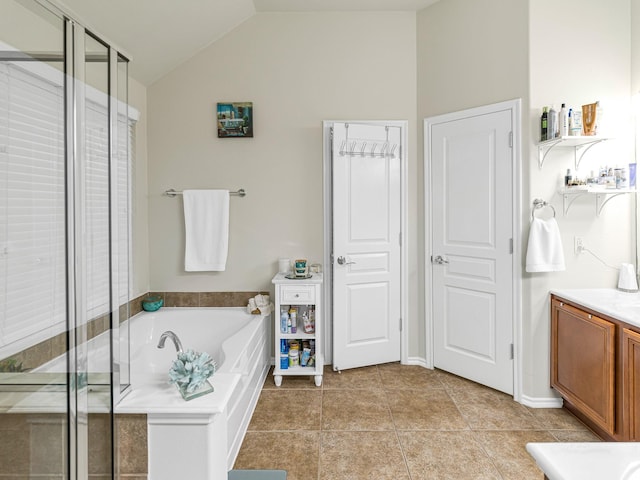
235	119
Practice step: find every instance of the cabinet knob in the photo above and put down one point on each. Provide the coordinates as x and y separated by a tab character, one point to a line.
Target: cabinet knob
297	295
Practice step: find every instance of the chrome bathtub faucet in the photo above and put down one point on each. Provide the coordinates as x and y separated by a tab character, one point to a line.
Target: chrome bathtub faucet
173	337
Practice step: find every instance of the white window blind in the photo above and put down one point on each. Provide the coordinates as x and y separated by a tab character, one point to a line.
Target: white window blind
32	206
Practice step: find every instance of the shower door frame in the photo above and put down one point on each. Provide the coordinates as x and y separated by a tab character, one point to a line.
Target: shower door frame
77	353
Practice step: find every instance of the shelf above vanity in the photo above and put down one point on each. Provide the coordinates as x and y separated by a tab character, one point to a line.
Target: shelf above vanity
580	145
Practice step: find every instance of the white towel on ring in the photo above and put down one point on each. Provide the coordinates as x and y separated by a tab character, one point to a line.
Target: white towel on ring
544	252
206	221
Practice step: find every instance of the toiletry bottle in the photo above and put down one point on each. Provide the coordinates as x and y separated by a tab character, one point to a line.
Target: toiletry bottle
293	316
544	124
284	320
563	121
568	178
570	123
552	123
599	118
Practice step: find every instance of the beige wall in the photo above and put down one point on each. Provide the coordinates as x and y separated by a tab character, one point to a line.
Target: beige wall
478	52
470	53
597	68
298	69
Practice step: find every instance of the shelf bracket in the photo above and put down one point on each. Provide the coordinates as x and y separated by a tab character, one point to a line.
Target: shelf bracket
568	199
543	150
603	198
582	149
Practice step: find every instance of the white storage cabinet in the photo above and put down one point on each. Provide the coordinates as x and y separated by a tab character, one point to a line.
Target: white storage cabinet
305	297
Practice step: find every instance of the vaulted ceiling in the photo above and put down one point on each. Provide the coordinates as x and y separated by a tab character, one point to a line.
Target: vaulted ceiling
158	35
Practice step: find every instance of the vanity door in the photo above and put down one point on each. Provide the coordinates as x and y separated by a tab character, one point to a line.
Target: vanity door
583	363
631	383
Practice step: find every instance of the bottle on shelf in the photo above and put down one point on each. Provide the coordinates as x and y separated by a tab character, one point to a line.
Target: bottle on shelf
544	124
563	121
552	124
284	320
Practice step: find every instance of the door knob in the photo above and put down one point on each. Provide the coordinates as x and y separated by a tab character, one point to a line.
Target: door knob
342	261
439	260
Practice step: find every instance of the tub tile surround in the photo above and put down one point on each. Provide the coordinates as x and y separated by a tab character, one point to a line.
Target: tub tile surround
51	348
396	421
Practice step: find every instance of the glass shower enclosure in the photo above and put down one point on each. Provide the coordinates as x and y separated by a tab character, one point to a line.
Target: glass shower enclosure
64	244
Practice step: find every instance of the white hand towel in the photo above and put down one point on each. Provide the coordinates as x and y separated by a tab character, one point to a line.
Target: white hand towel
206	220
544	252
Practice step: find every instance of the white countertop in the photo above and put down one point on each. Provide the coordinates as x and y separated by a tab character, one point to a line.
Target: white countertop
314	278
588	460
608	301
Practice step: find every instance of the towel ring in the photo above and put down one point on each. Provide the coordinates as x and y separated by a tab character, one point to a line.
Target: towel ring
539	203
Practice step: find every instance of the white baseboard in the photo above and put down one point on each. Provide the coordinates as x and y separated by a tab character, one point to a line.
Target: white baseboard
541	402
416	361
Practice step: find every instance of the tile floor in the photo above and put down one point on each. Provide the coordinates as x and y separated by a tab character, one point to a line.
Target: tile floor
397	422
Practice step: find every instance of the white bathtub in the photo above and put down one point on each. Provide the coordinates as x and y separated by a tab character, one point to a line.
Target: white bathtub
199	438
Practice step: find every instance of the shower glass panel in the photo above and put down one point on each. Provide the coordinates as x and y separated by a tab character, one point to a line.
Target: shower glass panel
65	131
34	383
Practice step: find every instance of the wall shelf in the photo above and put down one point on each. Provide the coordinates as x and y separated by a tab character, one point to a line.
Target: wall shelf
603	195
580	146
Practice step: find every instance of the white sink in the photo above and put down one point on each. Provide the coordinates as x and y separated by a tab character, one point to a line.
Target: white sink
588	461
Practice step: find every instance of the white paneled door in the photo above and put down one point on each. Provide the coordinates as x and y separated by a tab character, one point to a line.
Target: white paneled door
366	244
471	165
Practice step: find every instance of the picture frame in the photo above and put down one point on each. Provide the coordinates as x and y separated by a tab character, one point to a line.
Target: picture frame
234	119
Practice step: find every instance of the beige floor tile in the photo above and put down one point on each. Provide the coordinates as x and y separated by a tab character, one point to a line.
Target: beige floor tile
365	377
355	410
395	375
575	435
361	456
507	450
290	382
287	410
424	410
493	411
295	452
556	419
446	456
454	383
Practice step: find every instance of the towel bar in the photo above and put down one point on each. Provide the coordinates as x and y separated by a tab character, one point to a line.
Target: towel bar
172	193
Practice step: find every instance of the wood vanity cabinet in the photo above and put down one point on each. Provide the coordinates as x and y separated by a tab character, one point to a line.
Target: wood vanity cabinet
583	364
595	366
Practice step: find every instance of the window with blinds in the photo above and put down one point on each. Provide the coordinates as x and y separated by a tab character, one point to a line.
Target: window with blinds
33	259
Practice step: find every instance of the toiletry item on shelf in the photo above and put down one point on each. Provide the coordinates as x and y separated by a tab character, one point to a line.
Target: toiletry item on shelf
284	321
576	123
306	323
563	121
589	116
599	118
544	124
284	360
306	354
568	178
293	316
289	324
632	175
552	123
284	265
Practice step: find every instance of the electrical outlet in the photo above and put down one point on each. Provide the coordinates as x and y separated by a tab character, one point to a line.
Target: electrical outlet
578	245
